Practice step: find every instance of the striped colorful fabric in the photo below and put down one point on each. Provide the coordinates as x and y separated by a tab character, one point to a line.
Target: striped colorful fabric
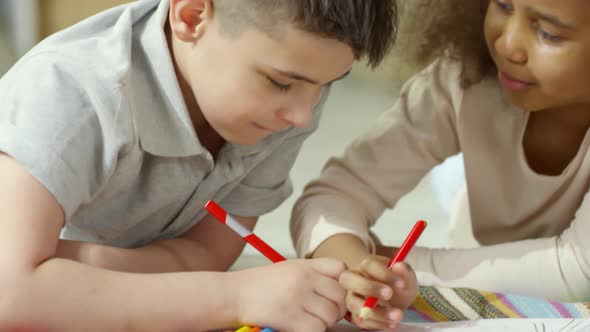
438	304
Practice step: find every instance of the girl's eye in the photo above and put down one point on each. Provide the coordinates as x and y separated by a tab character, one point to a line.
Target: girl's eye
503	5
280	86
549	37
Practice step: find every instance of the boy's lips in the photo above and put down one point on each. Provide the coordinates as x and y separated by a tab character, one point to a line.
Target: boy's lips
266	129
511	83
261	127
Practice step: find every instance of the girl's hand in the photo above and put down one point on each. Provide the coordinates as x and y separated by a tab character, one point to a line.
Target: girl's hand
396	289
291	296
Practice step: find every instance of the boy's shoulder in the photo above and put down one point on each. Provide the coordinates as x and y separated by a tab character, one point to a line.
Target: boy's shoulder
82	74
101	44
94	59
101	47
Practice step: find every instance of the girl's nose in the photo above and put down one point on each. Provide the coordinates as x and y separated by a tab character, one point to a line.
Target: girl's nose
510	43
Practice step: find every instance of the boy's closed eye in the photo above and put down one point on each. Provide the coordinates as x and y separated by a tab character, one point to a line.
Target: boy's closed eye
284	87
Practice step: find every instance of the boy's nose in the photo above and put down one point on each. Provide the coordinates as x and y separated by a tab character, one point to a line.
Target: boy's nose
298	116
511	44
300	112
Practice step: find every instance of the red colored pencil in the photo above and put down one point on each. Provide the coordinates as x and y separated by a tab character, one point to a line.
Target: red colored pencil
246	234
399	256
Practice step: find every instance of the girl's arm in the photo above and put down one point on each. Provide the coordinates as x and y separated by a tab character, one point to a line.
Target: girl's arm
378	168
346	247
556	268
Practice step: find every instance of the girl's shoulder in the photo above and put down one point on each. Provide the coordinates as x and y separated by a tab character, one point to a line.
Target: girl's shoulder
455	73
441	84
449	74
440	81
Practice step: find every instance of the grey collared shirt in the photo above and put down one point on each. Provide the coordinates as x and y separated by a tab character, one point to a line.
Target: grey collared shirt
96	115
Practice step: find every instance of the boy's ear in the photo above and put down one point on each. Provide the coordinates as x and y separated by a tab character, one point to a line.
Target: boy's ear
188	18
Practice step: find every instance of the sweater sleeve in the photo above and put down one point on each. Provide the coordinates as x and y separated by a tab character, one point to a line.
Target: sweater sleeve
556	268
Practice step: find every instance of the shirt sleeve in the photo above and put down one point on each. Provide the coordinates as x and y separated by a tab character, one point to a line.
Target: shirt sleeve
50	127
269	183
556	268
384	164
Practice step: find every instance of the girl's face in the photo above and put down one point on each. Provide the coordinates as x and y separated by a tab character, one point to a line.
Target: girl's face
542	51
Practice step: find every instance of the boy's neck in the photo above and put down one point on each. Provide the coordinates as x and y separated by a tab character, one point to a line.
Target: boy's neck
208	137
175	55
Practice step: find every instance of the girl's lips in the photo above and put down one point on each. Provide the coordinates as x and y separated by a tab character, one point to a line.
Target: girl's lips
511	83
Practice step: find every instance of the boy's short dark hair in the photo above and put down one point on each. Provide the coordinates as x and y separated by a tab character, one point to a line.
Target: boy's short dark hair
368	26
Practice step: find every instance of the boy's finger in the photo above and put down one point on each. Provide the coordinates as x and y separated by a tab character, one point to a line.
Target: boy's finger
326	310
329	267
359	284
332	291
309	322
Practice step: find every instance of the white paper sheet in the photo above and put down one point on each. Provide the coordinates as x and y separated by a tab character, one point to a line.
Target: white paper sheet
490	325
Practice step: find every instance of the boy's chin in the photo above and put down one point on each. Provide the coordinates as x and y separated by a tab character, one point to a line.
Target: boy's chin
244	141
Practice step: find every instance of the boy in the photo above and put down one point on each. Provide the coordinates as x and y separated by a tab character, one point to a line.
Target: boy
118	130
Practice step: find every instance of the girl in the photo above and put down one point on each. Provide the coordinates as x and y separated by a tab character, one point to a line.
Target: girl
510	89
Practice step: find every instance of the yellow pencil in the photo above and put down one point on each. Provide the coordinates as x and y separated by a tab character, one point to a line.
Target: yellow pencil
243	329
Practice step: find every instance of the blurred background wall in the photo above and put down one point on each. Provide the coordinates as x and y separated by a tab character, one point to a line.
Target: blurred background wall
23	23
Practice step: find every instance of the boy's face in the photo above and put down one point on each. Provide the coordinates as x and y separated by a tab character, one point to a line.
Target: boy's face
542	51
252	85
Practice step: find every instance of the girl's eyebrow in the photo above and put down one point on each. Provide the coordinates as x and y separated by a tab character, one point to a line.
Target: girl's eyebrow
552	19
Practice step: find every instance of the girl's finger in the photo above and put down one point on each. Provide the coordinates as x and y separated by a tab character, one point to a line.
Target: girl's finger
359	284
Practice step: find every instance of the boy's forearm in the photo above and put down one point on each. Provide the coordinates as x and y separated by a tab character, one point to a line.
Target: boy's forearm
177	255
208	246
345	247
62	295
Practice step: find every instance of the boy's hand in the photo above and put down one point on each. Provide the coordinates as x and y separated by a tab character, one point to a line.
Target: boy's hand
396	289
291	296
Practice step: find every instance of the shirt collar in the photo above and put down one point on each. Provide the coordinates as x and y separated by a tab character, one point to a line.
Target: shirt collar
161	116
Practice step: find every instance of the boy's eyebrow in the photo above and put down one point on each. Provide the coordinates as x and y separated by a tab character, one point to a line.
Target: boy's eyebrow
299	77
551	19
